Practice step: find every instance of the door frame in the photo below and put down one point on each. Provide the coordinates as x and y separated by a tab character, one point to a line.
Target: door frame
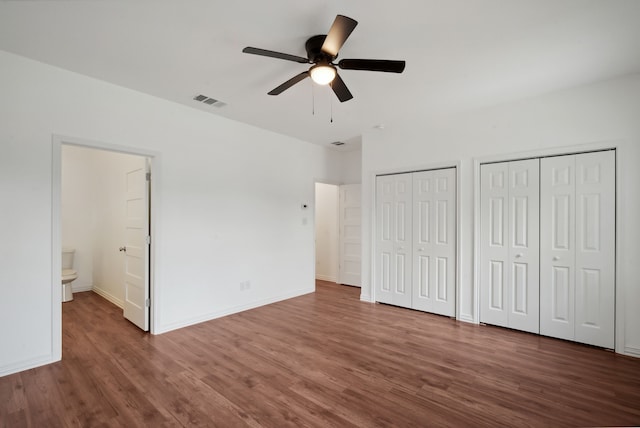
373	222
56	239
616	145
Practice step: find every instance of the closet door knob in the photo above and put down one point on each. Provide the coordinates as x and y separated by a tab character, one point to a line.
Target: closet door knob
519	255
122	249
556	258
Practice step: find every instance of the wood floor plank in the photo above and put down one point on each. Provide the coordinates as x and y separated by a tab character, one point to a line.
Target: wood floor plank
320	360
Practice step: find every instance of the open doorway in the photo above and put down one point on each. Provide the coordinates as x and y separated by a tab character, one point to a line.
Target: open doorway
338	233
102	207
327	227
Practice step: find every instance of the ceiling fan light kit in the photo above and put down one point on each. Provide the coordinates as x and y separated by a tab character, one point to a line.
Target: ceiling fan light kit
323	74
322	50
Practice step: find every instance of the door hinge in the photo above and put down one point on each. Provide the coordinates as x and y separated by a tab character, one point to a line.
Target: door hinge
148	239
148	176
147	303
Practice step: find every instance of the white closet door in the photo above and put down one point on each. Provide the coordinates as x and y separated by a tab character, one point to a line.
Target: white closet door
595	249
557	249
434	241
524	245
578	255
494	238
509	237
393	232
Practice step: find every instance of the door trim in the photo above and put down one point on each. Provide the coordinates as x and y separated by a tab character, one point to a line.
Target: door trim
373	233
618	146
56	235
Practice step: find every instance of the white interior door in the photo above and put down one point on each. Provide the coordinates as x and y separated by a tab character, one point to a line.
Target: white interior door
524	245
350	235
595	249
494	238
557	247
509	294
434	241
578	255
136	299
393	236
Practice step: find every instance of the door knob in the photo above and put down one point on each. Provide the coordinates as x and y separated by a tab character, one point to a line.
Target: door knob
556	258
122	249
519	255
420	249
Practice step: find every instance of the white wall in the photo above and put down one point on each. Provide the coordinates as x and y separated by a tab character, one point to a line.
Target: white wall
608	111
351	167
326	222
227	209
78	215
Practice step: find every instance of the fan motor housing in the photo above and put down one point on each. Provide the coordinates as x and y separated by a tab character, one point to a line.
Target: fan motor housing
314	50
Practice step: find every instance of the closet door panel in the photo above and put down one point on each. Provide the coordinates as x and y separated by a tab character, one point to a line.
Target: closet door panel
394	237
434	249
494	231
595	249
524	285
557	249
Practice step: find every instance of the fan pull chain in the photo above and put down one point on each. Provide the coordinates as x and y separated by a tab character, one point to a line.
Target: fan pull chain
331	103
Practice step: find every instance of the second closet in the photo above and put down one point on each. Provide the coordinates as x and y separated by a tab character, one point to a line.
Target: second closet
547	262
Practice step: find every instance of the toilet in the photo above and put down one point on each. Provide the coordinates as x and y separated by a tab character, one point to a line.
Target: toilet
68	274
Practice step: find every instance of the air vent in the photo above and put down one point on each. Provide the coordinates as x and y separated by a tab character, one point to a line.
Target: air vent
208	100
338	143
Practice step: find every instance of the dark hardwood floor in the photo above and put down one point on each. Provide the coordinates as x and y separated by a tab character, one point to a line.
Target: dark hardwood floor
324	359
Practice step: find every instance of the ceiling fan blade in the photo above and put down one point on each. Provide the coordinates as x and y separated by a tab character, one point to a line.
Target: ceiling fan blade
340	89
385	65
289	83
274	54
340	30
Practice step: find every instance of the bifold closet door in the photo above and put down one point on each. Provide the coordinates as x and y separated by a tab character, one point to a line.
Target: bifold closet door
434	241
394	239
509	270
578	248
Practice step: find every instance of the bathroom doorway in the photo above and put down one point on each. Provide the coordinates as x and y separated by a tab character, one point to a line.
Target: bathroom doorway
104	214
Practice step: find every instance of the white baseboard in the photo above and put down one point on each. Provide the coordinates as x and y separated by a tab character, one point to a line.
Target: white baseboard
27	364
119	303
366	298
326	278
81	288
235	309
632	351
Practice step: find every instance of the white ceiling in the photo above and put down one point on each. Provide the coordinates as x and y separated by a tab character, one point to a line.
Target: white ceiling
461	54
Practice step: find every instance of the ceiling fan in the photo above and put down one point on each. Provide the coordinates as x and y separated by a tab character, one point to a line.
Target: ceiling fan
322	51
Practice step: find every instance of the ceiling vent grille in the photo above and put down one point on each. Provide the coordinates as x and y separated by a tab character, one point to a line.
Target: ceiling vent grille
208	100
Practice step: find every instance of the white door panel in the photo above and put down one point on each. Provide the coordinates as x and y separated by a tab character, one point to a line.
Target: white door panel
434	245
578	255
595	249
350	235
393	264
557	264
524	238
494	233
136	296
509	272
